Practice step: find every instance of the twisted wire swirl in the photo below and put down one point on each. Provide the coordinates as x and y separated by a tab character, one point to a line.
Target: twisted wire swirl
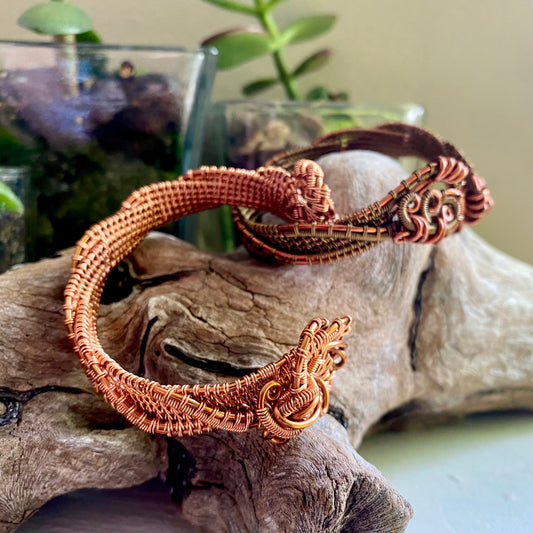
281	398
433	202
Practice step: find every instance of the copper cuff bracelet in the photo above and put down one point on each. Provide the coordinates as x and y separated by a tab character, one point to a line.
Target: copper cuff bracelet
281	398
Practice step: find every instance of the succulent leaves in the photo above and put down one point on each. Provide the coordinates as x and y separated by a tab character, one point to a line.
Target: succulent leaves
9	200
307	28
56	17
240	45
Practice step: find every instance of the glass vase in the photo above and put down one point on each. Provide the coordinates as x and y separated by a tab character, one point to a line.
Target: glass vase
94	122
245	134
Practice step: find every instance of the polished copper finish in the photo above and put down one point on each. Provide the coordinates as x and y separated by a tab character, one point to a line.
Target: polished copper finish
281	398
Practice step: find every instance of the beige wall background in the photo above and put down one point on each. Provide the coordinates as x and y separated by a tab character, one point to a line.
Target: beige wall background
469	63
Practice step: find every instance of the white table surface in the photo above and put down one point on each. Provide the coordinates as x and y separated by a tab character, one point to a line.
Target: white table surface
472	476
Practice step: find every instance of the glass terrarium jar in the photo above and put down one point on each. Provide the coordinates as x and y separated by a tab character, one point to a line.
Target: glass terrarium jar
245	134
94	122
14	204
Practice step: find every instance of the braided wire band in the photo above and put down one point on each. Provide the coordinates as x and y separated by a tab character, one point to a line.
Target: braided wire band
281	398
433	202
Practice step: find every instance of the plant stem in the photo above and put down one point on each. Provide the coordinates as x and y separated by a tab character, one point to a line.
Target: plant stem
67	62
284	73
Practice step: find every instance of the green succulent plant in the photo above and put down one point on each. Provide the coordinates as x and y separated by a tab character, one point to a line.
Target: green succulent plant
238	46
60	19
56	17
9	201
67	24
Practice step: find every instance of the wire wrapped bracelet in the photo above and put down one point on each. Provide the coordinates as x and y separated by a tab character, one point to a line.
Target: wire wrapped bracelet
281	398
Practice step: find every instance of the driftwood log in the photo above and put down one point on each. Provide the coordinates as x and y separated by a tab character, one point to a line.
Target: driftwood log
439	331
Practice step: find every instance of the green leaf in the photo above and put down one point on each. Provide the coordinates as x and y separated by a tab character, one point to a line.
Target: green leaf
233	6
259	85
88	37
316	94
321	93
313	62
12	151
238	46
307	28
56	18
338	121
9	200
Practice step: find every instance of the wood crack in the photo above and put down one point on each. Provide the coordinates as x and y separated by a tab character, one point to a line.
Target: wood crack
14	400
417	307
209	365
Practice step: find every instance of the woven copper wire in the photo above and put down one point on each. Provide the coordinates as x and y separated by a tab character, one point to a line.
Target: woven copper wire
433	202
284	397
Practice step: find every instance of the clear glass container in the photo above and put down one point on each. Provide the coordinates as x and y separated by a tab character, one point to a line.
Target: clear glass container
244	134
94	122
